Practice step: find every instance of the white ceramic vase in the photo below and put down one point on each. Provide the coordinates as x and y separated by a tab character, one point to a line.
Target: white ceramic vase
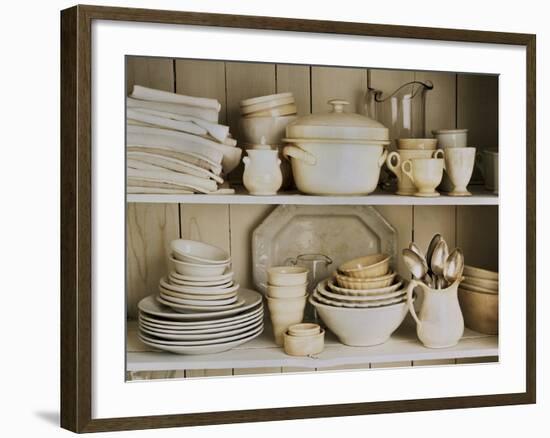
459	165
262	172
440	323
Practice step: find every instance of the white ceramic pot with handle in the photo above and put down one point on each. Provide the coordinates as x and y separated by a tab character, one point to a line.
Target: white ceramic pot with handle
336	153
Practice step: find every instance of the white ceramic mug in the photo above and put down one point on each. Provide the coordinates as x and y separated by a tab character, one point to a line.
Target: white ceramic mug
459	165
425	173
405	186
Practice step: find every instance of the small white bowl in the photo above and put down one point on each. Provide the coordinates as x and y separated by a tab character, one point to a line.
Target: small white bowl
286	291
199	270
193	251
374	265
451	138
287	275
304	345
365	283
304	329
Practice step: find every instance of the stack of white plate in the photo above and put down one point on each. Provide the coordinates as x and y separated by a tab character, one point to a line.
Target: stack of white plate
200	332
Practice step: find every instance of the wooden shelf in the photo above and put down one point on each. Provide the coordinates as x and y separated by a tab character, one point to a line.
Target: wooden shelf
262	352
479	197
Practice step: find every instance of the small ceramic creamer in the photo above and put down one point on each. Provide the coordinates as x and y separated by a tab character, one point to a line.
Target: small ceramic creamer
440	323
262	171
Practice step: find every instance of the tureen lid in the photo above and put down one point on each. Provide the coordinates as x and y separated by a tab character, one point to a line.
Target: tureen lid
337	125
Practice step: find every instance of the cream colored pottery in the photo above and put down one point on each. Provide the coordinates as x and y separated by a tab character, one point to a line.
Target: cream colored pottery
212	280
362	327
208	290
474	288
425	173
262	173
287	275
405	186
304	345
185	308
199	270
365	283
267	105
439	323
451	138
482	282
336	153
359	305
374	265
304	329
263	99
480	311
363	292
278	111
271	128
472	271
197	301
338	125
328	293
286	291
193	251
459	165
426	144
285	312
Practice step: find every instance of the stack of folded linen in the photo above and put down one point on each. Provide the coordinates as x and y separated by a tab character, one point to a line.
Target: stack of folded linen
176	145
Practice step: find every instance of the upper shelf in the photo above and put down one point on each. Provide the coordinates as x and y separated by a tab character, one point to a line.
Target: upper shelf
479	197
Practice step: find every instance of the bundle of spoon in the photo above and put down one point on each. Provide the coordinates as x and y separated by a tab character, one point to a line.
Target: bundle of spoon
438	269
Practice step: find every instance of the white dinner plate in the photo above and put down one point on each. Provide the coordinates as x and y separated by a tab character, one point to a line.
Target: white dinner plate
221	284
213	278
201	329
151	306
178	307
322	289
198	301
201	349
319	298
224	340
201	336
201	297
203	325
209	290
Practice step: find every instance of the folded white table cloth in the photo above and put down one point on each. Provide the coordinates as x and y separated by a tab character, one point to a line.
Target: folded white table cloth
145	93
207	114
188	157
198	184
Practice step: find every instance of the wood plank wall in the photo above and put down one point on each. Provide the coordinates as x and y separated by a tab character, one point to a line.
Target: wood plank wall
457	100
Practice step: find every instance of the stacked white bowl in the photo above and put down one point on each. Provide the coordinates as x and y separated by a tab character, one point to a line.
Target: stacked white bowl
478	297
286	297
364	303
199	292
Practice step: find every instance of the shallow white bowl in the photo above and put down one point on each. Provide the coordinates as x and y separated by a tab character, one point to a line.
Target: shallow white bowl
362	327
374	265
199	270
304	345
193	251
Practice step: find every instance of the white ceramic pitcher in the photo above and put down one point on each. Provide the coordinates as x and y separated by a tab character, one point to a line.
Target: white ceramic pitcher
439	323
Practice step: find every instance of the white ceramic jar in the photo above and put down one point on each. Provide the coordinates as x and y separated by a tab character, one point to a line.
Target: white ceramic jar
262	173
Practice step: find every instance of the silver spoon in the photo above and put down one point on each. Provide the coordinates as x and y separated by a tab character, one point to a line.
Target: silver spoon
438	260
454	266
415	264
433	243
426	279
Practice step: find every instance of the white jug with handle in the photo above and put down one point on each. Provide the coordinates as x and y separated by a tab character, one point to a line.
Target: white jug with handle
439	323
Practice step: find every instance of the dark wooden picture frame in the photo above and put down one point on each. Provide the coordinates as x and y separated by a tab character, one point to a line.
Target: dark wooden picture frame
76	218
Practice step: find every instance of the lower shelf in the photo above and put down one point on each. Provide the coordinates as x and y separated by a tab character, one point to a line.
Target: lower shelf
262	352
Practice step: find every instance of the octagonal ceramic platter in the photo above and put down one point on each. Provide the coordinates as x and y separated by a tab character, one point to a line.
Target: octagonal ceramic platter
341	232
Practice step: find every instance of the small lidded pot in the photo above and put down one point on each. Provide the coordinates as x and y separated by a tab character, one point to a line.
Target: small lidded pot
262	171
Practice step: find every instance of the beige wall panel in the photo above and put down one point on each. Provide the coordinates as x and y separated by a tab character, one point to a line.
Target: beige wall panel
202	79
244	219
477	109
432	219
337	83
400	217
296	78
477	235
440	101
149	72
150	229
207	223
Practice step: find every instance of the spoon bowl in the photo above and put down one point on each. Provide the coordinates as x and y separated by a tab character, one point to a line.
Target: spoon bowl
438	260
454	266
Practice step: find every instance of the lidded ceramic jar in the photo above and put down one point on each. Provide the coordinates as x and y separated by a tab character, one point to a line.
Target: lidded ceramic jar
336	153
